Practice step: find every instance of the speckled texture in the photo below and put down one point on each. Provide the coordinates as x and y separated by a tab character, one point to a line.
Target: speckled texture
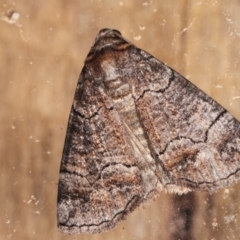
137	127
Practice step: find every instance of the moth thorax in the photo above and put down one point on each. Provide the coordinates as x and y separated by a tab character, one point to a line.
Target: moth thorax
121	95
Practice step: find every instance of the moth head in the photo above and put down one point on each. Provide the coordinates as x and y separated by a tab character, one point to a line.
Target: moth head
107	32
107	39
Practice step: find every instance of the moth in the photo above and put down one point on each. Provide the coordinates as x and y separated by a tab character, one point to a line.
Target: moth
137	127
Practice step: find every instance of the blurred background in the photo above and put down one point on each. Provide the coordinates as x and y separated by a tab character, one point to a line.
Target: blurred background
43	45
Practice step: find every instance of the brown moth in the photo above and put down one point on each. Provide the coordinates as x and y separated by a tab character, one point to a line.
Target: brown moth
137	127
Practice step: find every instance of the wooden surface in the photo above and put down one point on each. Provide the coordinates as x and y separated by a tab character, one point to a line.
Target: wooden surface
41	58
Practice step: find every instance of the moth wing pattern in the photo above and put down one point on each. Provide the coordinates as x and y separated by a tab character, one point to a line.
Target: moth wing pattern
101	179
137	127
193	138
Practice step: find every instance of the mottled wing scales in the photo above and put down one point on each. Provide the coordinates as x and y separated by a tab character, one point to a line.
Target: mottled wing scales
101	180
192	137
137	127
